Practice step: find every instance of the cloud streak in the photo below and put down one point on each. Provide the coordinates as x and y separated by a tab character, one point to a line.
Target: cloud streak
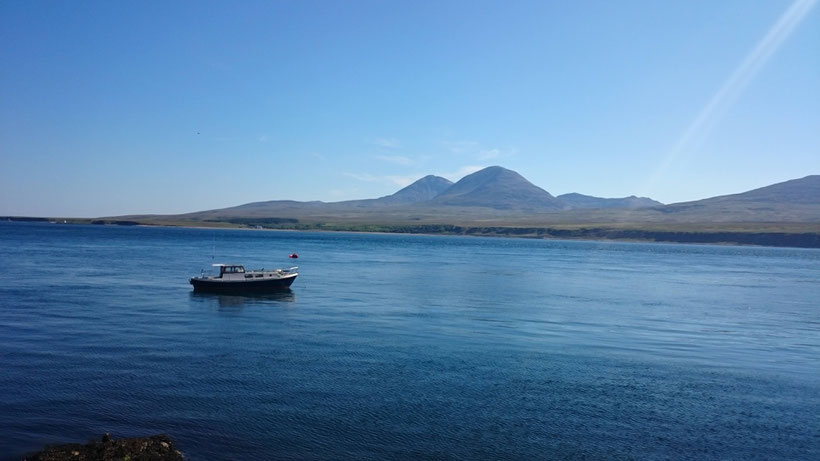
396	159
406	180
403	181
364	177
488	154
461	147
476	150
387	143
392	180
461	172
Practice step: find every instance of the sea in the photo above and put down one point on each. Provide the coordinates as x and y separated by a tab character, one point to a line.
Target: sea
409	346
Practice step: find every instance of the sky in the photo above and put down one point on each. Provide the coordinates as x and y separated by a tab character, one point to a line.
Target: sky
116	108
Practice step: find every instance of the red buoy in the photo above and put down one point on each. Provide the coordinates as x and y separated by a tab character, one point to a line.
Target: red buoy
293	256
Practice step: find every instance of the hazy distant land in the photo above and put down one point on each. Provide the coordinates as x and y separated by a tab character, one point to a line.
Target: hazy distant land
499	202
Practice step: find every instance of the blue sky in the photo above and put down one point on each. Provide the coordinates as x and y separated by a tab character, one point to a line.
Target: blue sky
110	108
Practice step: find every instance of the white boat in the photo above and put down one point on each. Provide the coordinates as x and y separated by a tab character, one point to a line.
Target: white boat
233	278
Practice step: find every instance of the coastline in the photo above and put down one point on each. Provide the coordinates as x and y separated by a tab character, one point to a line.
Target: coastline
803	235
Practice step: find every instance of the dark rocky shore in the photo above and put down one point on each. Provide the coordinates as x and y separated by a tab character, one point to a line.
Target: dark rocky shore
154	448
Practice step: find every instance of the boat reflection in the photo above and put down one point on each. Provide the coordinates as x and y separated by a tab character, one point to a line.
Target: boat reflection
285	296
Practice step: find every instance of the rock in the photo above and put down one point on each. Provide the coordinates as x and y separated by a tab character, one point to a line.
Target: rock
153	448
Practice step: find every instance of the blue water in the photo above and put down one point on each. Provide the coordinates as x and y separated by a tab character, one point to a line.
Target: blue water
409	347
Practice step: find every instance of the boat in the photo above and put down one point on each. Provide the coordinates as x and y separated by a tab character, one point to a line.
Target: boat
233	278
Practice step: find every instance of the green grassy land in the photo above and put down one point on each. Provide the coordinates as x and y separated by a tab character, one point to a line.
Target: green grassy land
768	234
584	226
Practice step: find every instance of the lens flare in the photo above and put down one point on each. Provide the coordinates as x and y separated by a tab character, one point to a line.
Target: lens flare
709	116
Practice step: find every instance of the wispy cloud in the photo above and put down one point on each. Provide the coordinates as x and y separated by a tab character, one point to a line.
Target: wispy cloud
720	103
393	180
403	181
406	180
263	138
461	147
387	143
476	150
396	159
461	172
364	177
489	154
319	156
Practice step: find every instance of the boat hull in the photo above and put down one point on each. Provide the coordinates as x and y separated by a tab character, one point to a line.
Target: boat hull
268	285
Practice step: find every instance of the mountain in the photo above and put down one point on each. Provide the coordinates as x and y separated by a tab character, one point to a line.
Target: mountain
796	191
580	201
422	190
797	200
502	196
497	187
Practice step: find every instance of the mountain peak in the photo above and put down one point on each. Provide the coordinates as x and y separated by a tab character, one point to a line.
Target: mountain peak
420	191
497	187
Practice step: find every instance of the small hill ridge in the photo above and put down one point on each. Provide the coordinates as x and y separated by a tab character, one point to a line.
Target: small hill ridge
798	191
581	201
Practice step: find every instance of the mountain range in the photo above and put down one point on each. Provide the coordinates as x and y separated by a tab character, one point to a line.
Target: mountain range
493	187
502	189
498	201
498	191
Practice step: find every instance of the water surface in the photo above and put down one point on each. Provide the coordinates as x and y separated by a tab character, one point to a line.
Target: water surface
395	347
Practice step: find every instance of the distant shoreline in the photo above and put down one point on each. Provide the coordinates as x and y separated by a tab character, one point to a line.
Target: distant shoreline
751	237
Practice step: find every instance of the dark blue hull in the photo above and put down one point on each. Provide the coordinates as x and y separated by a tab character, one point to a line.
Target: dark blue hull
267	285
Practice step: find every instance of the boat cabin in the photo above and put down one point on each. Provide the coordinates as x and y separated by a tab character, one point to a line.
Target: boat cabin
230	271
